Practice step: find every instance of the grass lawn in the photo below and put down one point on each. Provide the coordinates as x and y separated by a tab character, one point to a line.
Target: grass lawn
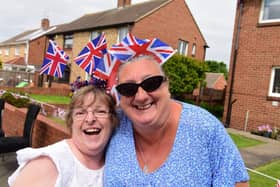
58	120
242	142
271	169
51	99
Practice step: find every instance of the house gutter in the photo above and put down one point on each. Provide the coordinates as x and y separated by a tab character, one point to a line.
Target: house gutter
230	102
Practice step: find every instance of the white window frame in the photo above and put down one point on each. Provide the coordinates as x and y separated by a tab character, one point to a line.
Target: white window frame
272	86
16	51
7	51
122	32
193	49
94	34
265	11
183	47
68	41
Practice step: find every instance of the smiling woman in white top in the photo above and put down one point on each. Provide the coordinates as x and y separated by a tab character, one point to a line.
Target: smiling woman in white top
78	161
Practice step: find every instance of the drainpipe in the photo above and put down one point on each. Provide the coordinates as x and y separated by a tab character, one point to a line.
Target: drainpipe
230	102
27	52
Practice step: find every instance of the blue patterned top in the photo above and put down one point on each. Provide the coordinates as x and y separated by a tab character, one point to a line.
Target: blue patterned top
203	154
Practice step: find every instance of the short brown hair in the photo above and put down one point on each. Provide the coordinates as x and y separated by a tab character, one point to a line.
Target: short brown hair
99	93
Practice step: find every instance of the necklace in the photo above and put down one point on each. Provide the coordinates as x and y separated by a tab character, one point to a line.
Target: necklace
145	168
157	143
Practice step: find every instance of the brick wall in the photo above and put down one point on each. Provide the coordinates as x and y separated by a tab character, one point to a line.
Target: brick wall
170	23
37	49
12	55
258	52
56	89
80	40
45	131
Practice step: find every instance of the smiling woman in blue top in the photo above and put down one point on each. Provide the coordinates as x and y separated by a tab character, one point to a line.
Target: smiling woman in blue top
164	142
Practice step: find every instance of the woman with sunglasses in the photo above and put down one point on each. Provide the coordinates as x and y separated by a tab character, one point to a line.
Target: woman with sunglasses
78	161
164	142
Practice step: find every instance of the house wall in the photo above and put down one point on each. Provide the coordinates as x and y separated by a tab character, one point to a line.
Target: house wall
257	51
221	83
45	131
80	40
12	55
37	50
170	23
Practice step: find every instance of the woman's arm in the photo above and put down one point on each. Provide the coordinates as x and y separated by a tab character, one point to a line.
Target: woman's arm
38	172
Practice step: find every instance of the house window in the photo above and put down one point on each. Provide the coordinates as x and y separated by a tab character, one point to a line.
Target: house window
193	49
17	51
122	33
7	51
274	87
270	11
183	47
94	34
68	41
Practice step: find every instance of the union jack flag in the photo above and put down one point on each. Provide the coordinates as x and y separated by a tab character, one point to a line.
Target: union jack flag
92	54
107	70
131	47
55	61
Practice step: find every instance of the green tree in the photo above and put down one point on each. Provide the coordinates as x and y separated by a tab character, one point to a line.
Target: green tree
217	67
184	74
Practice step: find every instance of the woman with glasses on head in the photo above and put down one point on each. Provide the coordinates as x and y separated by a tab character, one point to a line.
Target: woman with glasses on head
164	142
78	161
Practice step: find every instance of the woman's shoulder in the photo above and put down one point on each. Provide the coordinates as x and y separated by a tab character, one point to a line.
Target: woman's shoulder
33	170
198	117
35	166
57	156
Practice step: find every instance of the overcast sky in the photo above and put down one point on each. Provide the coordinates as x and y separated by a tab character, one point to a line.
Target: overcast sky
215	18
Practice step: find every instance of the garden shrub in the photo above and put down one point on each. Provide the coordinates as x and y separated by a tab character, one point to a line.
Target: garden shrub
266	131
184	74
19	102
216	110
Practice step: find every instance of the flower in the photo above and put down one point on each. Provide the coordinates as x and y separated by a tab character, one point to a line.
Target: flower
264	128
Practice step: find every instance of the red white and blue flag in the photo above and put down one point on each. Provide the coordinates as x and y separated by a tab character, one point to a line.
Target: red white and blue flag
55	61
92	55
132	47
107	70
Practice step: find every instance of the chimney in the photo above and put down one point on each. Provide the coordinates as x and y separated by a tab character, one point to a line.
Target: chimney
123	3
45	23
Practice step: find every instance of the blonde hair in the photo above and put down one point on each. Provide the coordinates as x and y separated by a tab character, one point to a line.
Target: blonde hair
138	58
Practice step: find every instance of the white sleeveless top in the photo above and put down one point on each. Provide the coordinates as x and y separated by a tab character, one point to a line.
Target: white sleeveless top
71	173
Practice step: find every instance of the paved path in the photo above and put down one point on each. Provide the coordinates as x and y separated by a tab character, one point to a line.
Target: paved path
253	156
261	154
7	166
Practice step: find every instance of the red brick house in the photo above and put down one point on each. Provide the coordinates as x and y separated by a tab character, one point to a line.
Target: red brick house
215	81
29	44
169	20
253	93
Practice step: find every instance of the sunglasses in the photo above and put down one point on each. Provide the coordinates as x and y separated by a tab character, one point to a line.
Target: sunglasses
149	85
